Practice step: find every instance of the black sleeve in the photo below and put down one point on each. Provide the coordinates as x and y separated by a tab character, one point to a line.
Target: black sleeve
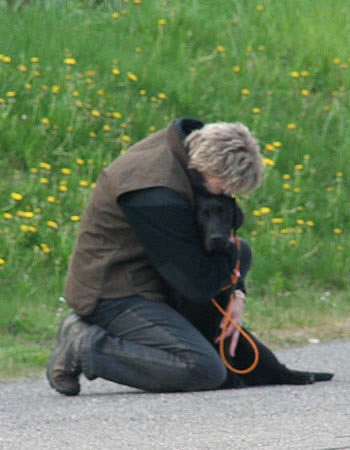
165	226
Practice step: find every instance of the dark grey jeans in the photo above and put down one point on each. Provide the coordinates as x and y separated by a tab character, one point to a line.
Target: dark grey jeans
151	346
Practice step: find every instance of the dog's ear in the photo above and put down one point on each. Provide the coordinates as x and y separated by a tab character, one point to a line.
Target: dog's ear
238	215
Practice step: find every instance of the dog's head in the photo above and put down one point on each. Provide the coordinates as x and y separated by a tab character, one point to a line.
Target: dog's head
216	216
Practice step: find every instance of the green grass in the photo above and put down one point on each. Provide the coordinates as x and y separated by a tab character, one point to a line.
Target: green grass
282	68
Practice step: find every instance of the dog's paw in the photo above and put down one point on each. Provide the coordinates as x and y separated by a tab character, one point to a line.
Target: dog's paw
323	376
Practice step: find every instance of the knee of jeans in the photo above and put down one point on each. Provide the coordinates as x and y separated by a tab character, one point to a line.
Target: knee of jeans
206	374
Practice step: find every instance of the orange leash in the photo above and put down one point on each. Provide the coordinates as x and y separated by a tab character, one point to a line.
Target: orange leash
228	319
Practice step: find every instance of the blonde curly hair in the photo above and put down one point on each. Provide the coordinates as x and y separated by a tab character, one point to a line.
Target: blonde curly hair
228	151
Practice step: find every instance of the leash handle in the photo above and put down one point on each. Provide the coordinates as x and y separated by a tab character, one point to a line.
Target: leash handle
228	319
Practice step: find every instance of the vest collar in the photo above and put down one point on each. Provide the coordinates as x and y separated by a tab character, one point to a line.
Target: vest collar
176	132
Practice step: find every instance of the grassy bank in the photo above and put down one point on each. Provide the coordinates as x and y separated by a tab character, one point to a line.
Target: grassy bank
82	81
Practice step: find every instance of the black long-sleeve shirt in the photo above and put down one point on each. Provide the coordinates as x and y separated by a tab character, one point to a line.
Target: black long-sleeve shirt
165	225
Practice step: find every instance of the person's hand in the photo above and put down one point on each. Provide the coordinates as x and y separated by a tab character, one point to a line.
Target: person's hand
237	315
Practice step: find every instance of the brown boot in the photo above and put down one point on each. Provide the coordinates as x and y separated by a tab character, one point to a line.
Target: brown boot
64	366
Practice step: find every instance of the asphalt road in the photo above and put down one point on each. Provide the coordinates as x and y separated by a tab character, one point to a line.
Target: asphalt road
108	416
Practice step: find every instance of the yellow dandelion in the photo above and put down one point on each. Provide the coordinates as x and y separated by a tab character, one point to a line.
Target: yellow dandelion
52	224
70	61
304	73
336	61
286	186
138	49
270	147
300	222
115	15
55	89
80	161
339	174
293	242
142	92
286	176
297	189
162	22
295	74
11	94
28	214
51	199
93	185
305	92
34	59
22	68
7	59
95	113
154	99
37	73
291	126
256	110
245	91
277	220
337	231
277	144
45	248
236	69
116	115
7	216
254	233
44	180
63	188
16	196
2	261
107	128
162	96
256	213
310	223
340	248
45	121
260	8
261	48
220	49
299	167
83	183
32	229
265	210
79	104
45	165
268	162
66	171
126	138
307	157
24	228
28	86
132	76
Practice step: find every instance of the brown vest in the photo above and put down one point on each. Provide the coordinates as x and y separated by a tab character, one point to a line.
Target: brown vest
108	261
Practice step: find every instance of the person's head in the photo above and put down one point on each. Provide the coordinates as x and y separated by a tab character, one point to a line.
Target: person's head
227	156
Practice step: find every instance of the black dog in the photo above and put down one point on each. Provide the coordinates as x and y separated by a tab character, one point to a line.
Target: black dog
216	216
